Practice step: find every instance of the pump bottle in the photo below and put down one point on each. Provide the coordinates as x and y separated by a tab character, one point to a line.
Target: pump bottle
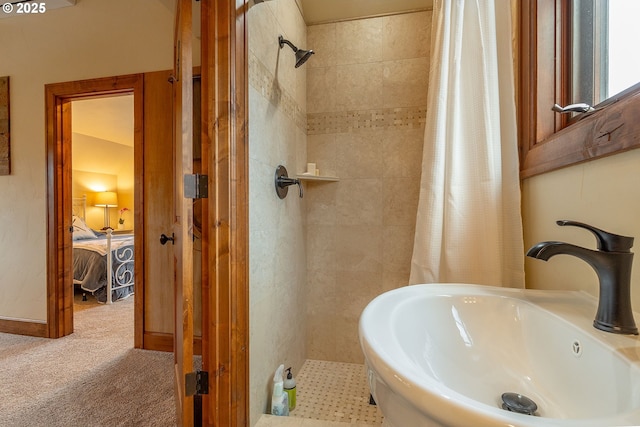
290	389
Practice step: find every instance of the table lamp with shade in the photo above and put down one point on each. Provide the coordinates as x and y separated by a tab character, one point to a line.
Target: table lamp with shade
106	199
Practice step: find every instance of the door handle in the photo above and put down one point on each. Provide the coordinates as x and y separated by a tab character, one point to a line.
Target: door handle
164	239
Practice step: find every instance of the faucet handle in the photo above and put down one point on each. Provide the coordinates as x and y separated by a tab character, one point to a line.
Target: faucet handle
607	242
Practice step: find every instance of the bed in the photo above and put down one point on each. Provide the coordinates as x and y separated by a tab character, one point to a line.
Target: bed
103	262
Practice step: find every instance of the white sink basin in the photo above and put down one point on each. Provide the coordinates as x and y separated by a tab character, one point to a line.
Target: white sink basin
443	354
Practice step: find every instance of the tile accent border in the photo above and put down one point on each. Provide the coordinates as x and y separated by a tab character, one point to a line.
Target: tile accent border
5	159
362	120
261	79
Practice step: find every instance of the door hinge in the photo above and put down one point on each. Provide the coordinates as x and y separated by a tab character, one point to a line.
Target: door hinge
196	383
196	186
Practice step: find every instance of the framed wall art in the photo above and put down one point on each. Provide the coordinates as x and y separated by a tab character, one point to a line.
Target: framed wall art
5	159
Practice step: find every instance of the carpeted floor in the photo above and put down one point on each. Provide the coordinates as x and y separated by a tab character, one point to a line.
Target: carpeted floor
93	377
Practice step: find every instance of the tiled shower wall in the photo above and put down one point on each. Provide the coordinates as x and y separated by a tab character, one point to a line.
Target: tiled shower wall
366	107
357	109
277	253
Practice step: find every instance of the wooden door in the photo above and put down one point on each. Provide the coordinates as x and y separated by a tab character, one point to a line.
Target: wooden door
225	298
158	205
183	213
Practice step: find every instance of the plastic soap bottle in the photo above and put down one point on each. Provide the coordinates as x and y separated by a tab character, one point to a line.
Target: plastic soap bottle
279	399
290	389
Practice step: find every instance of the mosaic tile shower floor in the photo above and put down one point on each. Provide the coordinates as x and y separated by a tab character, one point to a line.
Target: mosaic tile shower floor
336	394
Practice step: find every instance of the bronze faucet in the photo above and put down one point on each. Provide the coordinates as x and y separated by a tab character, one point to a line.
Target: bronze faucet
612	263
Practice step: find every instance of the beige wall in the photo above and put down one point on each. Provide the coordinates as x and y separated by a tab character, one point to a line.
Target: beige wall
366	104
604	193
93	157
277	270
82	185
95	38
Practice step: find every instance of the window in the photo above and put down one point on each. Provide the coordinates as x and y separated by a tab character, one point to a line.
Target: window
603	34
570	51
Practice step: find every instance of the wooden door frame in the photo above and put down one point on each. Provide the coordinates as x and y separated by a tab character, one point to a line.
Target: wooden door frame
225	294
58	97
182	221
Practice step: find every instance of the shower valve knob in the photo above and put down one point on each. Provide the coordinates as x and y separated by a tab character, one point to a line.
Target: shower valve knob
283	181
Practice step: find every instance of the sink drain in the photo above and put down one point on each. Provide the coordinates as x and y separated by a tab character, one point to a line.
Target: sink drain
516	402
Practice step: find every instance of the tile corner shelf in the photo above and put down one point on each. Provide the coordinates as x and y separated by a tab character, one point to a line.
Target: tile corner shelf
317	178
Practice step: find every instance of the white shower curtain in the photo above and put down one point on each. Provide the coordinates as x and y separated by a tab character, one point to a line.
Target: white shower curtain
469	226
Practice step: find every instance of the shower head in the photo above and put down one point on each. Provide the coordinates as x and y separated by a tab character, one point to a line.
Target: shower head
301	54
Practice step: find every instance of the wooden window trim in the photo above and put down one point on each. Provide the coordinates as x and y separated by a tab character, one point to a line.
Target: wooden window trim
548	141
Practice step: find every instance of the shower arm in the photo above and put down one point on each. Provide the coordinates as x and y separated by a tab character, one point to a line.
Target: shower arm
282	41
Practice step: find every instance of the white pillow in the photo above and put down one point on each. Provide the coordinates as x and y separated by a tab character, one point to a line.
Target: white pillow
81	230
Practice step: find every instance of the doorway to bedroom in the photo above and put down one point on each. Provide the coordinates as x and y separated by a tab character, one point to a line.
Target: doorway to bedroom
96	182
151	210
103	184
